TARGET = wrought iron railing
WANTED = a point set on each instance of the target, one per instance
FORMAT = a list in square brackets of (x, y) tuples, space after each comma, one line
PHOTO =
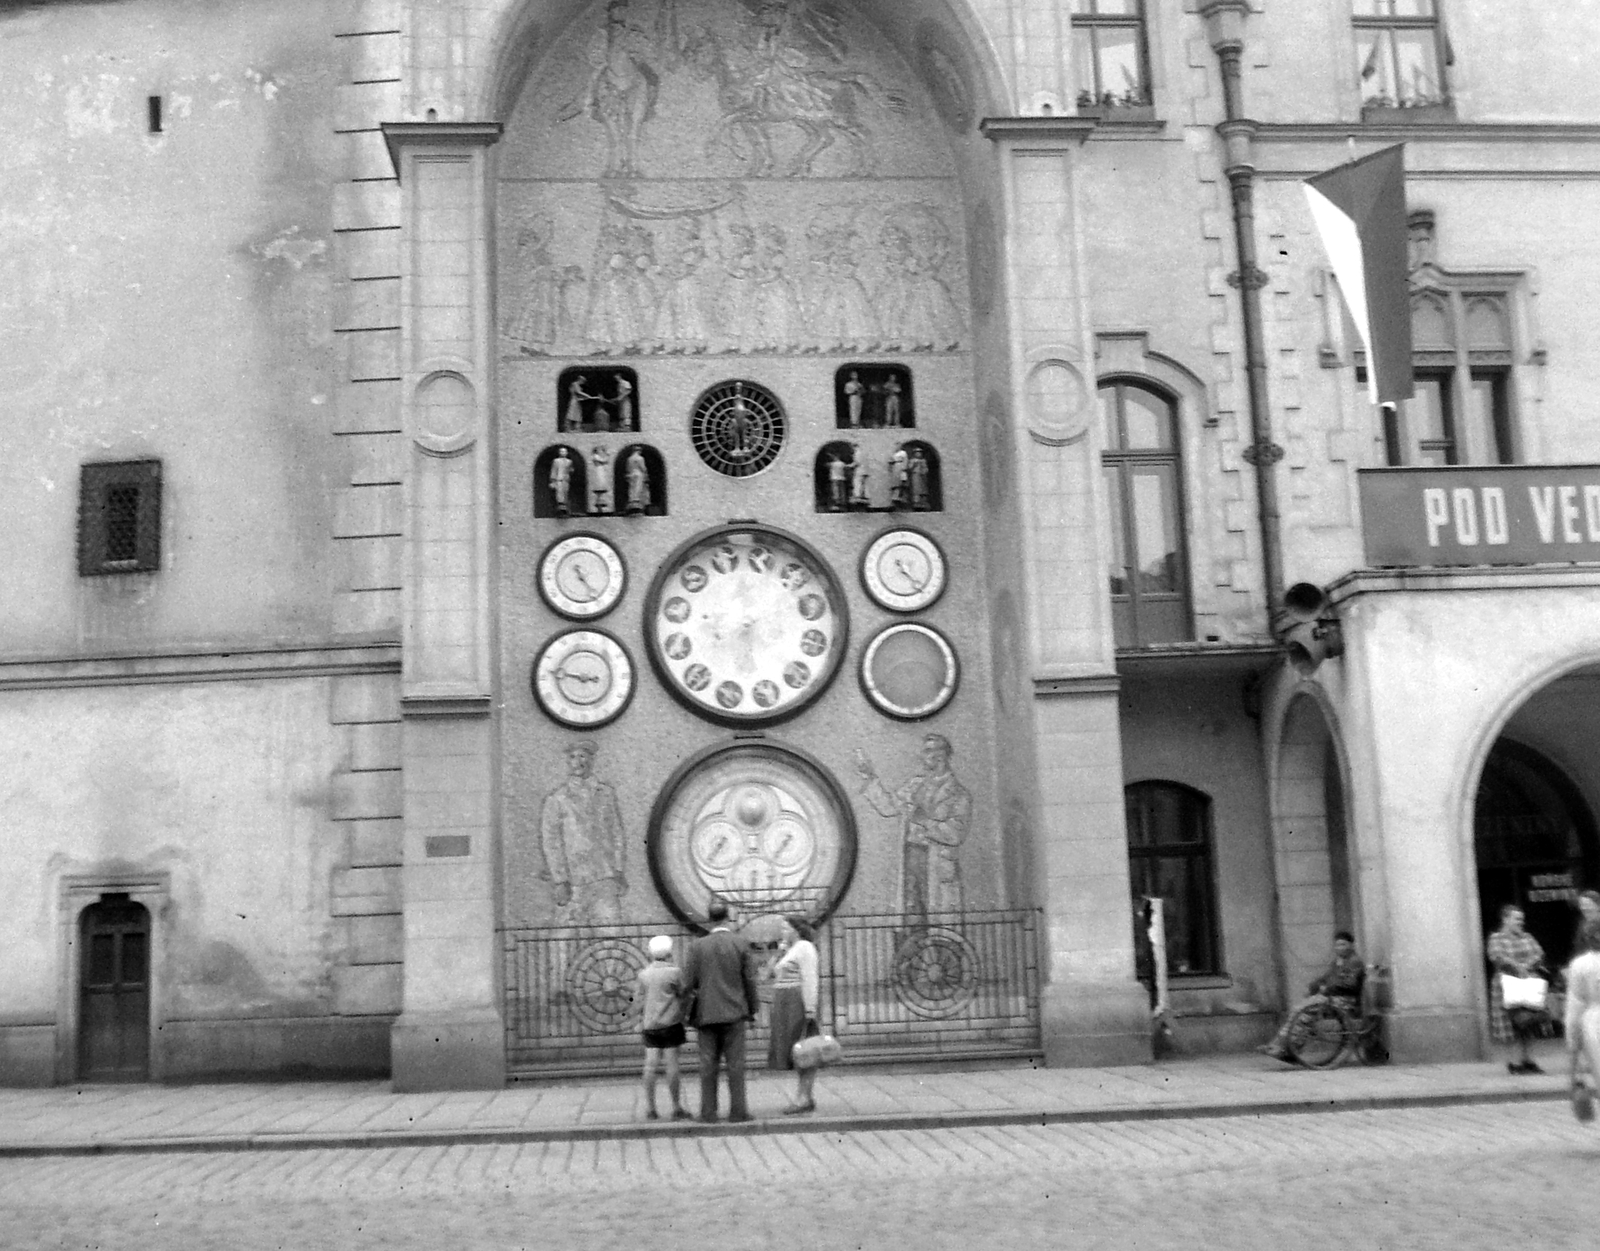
[(951, 984)]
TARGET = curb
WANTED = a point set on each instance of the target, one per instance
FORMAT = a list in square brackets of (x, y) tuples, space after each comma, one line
[(814, 1125)]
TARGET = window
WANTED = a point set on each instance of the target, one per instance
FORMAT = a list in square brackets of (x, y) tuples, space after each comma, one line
[(1110, 58), (1169, 858), (1400, 52), (1149, 581), (119, 518)]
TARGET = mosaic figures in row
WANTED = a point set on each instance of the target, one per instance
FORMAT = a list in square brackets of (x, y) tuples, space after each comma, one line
[(692, 281), (935, 814), (581, 843)]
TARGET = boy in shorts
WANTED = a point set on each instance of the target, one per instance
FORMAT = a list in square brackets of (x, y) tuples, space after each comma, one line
[(660, 989)]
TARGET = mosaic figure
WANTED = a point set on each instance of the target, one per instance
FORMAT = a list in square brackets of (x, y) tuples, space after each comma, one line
[(536, 319), (621, 92), (935, 814), (837, 303), (580, 833), (915, 306), (776, 320)]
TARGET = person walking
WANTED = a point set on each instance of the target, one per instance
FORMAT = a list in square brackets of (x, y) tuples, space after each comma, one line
[(719, 982), (659, 991), (1515, 952), (794, 1007), (1583, 1019)]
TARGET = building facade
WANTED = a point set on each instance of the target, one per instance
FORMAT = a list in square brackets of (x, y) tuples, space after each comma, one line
[(486, 474)]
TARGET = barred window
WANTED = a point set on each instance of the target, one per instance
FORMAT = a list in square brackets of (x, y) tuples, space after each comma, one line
[(119, 518)]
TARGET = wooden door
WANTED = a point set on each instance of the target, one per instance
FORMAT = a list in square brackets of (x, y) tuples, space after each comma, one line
[(114, 992)]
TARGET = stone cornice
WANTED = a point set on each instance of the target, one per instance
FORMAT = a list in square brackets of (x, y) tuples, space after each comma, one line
[(1060, 130), (200, 665), (400, 135), (1423, 132), (1463, 578)]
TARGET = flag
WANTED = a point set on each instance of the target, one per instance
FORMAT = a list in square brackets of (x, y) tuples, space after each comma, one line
[(1360, 212)]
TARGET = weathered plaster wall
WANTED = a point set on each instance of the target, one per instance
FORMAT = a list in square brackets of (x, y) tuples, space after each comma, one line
[(167, 295), (228, 788)]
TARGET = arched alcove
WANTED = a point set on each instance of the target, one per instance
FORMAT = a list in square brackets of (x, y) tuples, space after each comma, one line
[(1310, 840), (546, 482), (640, 487)]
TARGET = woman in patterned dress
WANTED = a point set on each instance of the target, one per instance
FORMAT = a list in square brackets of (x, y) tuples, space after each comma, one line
[(1511, 949)]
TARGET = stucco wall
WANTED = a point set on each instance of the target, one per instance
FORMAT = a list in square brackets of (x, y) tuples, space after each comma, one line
[(167, 295)]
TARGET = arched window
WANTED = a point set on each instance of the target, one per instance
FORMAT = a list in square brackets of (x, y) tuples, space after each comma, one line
[(1149, 576), (1169, 858)]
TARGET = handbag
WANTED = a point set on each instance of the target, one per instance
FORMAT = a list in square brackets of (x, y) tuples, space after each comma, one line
[(816, 1051), (1523, 992)]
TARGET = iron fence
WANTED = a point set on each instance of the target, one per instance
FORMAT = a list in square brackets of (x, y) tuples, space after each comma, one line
[(962, 984)]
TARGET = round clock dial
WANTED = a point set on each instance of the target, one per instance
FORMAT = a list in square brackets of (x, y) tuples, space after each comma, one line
[(909, 670), (582, 576), (746, 624), (583, 678), (767, 829), (903, 570)]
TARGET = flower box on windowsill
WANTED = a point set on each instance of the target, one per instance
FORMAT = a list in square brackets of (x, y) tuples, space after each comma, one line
[(1408, 114), (1118, 112)]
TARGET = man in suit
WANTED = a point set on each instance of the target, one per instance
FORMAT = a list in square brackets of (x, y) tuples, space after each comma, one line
[(719, 982)]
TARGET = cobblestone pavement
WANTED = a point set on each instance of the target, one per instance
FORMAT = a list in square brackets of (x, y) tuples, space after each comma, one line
[(1505, 1175)]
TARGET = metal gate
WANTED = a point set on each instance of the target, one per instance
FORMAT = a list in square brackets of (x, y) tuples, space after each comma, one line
[(956, 986)]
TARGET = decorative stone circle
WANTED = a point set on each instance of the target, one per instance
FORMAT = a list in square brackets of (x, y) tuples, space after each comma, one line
[(600, 984), (936, 973)]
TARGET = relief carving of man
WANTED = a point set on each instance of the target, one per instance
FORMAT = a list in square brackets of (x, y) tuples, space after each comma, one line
[(935, 814), (580, 832), (621, 93)]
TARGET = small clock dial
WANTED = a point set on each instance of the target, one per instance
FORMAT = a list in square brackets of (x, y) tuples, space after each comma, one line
[(746, 624), (903, 570), (583, 678), (582, 576), (909, 670), (763, 827)]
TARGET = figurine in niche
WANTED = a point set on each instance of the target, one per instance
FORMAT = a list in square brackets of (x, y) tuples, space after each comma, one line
[(838, 482), (576, 395), (859, 473), (636, 476), (600, 483), (920, 470), (891, 400), (853, 398), (561, 482), (899, 479), (622, 405)]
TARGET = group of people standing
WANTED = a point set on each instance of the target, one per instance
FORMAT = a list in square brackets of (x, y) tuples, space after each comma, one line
[(715, 994)]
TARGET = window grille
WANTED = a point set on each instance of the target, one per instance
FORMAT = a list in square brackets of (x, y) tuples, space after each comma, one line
[(119, 518)]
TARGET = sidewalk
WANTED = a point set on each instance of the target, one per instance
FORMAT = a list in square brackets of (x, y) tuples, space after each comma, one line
[(254, 1117)]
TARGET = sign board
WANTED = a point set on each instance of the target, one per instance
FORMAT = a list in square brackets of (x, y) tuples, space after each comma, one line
[(1487, 515)]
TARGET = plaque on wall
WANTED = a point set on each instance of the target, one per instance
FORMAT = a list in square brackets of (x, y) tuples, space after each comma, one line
[(582, 576), (909, 671), (583, 678), (746, 624), (903, 570), (765, 827)]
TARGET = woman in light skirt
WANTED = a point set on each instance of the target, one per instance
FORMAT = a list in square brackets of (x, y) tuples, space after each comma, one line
[(794, 1006)]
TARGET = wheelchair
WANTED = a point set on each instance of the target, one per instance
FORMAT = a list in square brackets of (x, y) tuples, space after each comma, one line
[(1335, 1031)]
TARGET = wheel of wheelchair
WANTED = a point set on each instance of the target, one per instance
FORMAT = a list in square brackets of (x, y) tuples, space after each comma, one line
[(1319, 1034)]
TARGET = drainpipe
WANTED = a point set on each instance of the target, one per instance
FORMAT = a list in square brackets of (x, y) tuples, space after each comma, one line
[(1225, 27)]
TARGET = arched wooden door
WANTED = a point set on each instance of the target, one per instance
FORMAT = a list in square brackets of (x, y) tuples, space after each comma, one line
[(114, 991)]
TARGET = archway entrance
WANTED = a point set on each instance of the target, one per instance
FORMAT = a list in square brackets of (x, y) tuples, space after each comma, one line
[(114, 991), (1535, 842)]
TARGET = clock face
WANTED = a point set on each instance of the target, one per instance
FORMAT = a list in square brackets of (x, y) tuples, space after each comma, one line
[(583, 678), (746, 624), (582, 576), (909, 670), (903, 570), (765, 828)]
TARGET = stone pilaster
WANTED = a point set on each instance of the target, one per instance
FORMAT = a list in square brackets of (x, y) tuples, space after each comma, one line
[(449, 1033), (1095, 1012)]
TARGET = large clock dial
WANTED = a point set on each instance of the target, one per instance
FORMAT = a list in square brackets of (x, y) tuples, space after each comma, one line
[(765, 828), (746, 624)]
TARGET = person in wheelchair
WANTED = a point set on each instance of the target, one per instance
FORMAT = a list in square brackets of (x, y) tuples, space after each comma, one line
[(1341, 984)]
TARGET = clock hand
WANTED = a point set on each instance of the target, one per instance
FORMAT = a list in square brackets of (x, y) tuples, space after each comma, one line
[(568, 674), (910, 577), (578, 573)]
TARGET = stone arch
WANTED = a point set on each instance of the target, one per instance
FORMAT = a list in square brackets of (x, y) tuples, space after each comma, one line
[(948, 37), (1317, 884)]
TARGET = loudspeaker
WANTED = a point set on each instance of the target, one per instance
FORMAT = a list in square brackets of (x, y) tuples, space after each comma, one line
[(1313, 634)]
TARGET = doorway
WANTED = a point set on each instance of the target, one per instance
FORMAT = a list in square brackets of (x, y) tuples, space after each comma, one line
[(1535, 844), (114, 991)]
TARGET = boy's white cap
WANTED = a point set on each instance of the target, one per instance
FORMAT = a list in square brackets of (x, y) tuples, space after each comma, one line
[(660, 947)]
